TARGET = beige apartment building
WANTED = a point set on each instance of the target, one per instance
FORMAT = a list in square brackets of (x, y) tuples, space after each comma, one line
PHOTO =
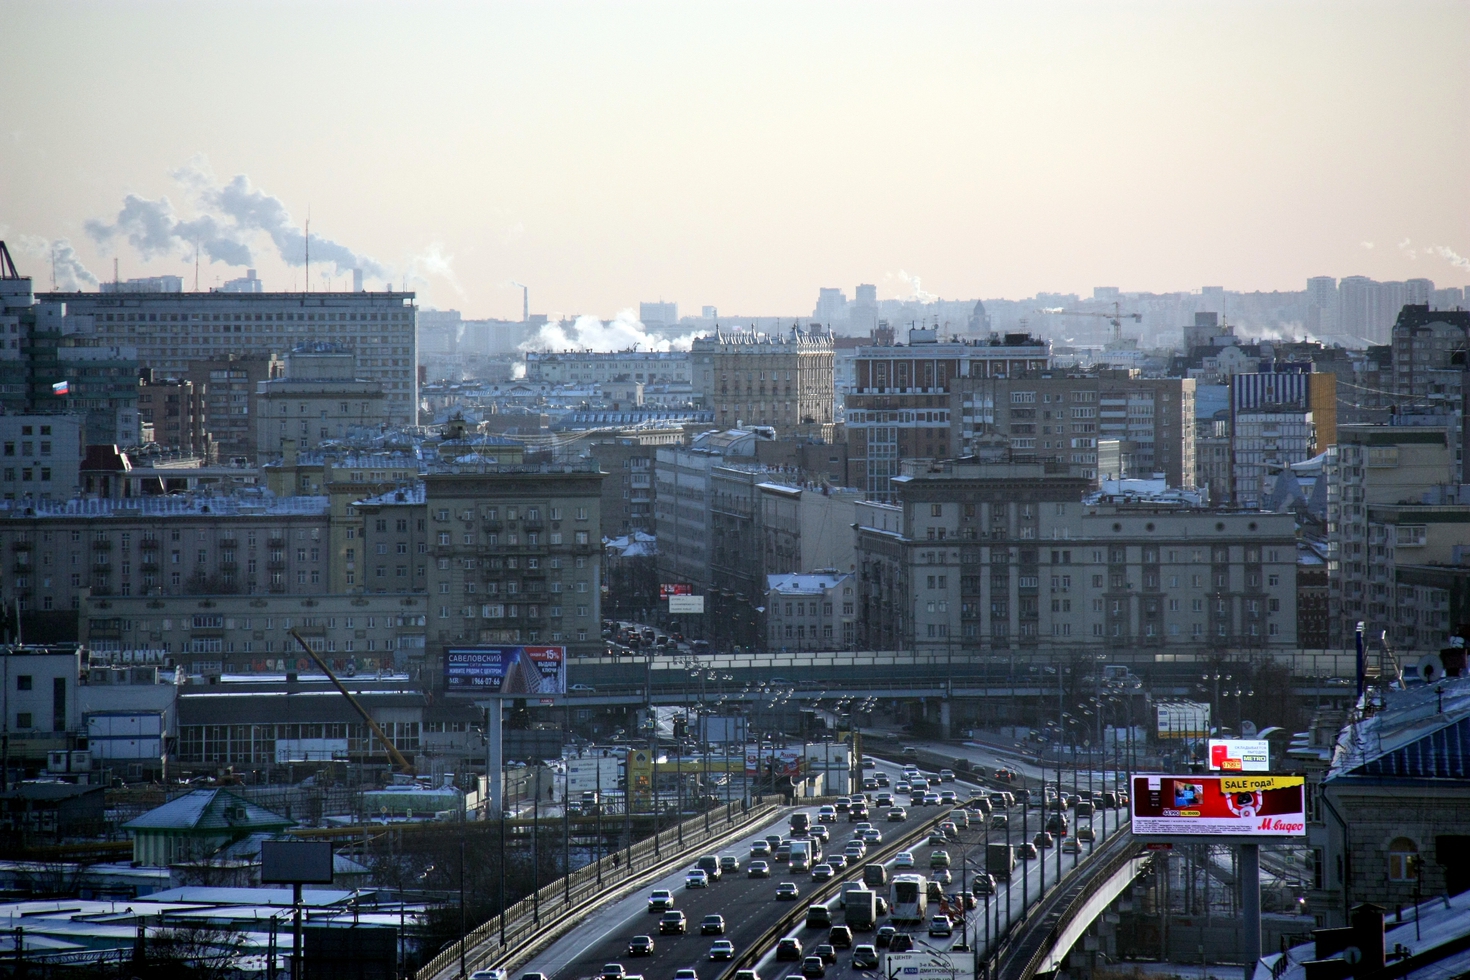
[(778, 380)]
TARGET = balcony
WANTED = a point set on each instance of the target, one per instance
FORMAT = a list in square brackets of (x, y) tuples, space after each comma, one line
[(148, 544), (228, 543), (101, 544), (21, 545), (276, 542)]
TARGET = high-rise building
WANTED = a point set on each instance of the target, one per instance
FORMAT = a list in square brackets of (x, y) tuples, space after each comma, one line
[(178, 412), (900, 405), (170, 330), (658, 314), (1321, 305), (779, 380), (1428, 354), (1277, 418), (831, 305), (1356, 303), (229, 384)]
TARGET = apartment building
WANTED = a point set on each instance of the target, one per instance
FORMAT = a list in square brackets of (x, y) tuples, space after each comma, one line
[(1429, 353), (320, 398), (42, 456), (628, 458), (981, 557), (586, 367), (815, 611), (779, 380), (1277, 417), (515, 554), (177, 412), (1414, 614), (900, 404), (229, 384), (38, 703), (1373, 464), (170, 330), (1059, 418)]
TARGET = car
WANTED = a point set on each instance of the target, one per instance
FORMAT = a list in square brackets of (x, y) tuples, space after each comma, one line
[(818, 916), (534, 976), (827, 952), (712, 925), (982, 884), (1027, 851), (981, 805), (883, 779), (820, 833), (1087, 834), (936, 840), (872, 836), (582, 689), (870, 782), (883, 937), (921, 784), (673, 922), (857, 832), (827, 814), (882, 905), (822, 872), (946, 775), (950, 829), (686, 973), (858, 811), (903, 787), (495, 973), (883, 799), (838, 861), (760, 849), (998, 821), (783, 853), (640, 946), (787, 892), (774, 840), (757, 869), (903, 859), (747, 975), (1044, 840), (788, 949), (855, 850), (897, 815), (931, 799), (939, 859), (696, 879), (612, 971), (1071, 846), (813, 967), (660, 900), (901, 942), (729, 863), (941, 875), (843, 802), (949, 797), (840, 936), (939, 925), (710, 865), (722, 949)]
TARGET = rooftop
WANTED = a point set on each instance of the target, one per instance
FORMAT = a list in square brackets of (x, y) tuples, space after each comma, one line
[(1419, 732)]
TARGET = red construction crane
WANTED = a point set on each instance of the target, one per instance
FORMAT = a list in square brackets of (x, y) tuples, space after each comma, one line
[(1115, 318)]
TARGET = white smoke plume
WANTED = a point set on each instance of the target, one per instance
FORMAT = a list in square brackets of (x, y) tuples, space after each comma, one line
[(916, 292), (1451, 256), (433, 261), (230, 218), (622, 332), (59, 255)]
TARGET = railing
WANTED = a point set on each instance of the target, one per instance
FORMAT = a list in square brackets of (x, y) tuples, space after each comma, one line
[(544, 914)]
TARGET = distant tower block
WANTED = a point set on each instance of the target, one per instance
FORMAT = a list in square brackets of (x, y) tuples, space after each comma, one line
[(357, 280)]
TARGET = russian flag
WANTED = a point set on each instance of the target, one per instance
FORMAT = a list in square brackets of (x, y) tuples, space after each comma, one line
[(61, 388)]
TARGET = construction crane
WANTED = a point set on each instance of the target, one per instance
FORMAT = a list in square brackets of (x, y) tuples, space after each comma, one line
[(397, 757), (1115, 318)]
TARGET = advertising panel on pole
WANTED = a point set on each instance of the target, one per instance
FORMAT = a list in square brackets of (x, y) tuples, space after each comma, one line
[(1183, 719), (515, 671), (667, 589), (1231, 806), (1240, 755), (592, 774), (686, 604), (780, 762), (929, 965)]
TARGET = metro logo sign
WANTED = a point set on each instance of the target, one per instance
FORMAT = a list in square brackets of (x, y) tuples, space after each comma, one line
[(1239, 755)]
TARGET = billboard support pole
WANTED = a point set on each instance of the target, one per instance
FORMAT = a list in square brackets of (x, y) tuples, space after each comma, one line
[(494, 761), (1250, 905)]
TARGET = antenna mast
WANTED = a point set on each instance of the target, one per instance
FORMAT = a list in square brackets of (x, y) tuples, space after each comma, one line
[(196, 265), (308, 250)]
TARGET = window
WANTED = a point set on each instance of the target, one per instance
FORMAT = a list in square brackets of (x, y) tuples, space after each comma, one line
[(23, 682), (22, 719), (1403, 860)]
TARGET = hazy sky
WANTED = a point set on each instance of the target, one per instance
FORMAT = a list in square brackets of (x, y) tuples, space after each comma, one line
[(741, 155)]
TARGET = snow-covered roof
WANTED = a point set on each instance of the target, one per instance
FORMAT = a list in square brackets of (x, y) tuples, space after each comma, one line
[(1421, 732), (813, 583)]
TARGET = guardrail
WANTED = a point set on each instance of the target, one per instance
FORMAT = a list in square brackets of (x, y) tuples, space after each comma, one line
[(1025, 947), (538, 917)]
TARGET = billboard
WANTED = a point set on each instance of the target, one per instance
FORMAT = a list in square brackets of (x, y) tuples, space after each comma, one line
[(511, 670), (1240, 755), (592, 774), (1244, 806), (1183, 719), (686, 604), (666, 589), (761, 760), (929, 965)]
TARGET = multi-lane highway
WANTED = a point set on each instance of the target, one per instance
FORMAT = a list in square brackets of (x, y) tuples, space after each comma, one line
[(750, 906)]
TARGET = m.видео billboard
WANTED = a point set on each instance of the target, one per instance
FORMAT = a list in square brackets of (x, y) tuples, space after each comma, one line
[(516, 671), (1244, 805)]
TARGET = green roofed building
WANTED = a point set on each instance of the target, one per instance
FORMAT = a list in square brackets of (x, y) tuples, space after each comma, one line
[(198, 824)]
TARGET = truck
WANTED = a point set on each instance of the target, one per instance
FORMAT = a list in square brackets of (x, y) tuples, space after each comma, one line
[(861, 909), (801, 856), (801, 823), (875, 875), (1000, 860)]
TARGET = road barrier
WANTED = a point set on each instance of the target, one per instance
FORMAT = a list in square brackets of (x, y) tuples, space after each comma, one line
[(562, 902)]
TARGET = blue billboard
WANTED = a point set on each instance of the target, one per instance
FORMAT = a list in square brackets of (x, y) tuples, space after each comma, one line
[(517, 671)]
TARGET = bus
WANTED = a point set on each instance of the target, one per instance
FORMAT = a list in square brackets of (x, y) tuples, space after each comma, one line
[(910, 898)]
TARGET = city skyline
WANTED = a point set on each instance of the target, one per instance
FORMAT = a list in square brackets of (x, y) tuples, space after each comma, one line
[(742, 157)]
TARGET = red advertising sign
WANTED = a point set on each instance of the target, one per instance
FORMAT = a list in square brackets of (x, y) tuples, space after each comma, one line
[(667, 589), (1243, 805)]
